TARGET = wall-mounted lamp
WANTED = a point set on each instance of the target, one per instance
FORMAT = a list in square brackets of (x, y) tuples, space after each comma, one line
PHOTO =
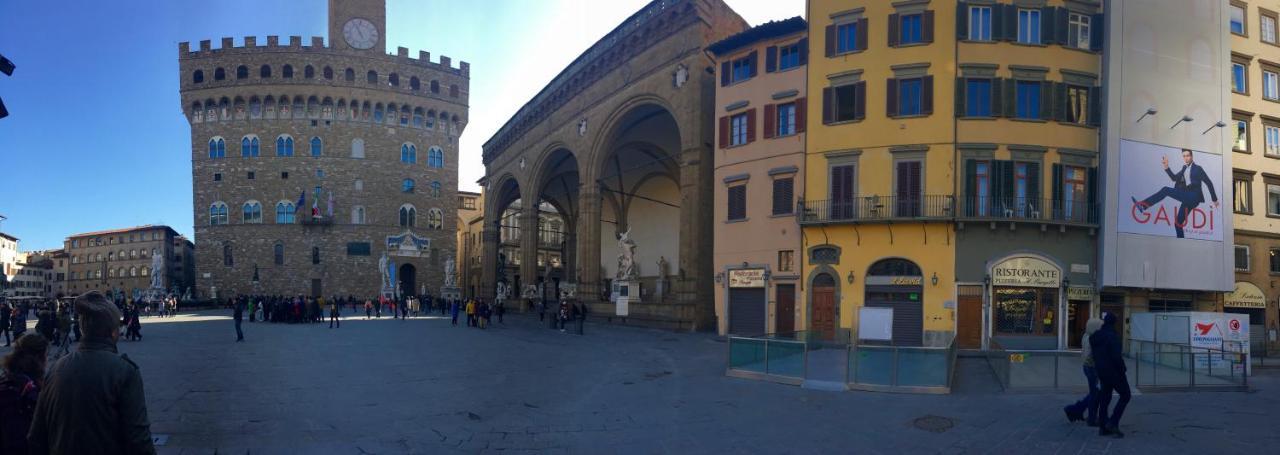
[(1185, 118), (719, 277), (1220, 124), (1150, 111), (986, 280), (850, 277), (934, 280)]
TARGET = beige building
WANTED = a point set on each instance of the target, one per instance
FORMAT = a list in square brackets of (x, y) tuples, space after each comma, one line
[(310, 162), (8, 254), (470, 213), (1255, 71), (121, 260), (759, 161)]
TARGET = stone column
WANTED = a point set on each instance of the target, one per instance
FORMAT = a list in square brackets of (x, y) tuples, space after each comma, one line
[(693, 283), (528, 246), (489, 257), (587, 244)]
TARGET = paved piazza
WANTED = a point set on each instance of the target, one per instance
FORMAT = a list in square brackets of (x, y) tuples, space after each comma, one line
[(422, 386)]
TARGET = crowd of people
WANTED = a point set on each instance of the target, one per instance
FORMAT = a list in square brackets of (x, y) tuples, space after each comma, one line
[(88, 401)]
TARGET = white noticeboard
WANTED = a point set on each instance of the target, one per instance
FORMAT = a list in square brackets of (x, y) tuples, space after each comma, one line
[(875, 324)]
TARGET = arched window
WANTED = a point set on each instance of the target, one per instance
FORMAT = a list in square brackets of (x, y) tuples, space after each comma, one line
[(285, 212), (315, 255), (435, 87), (408, 153), (393, 79), (357, 215), (377, 113), (249, 146), (255, 107), (357, 148), (217, 214), (198, 76), (435, 219), (278, 253), (435, 157), (349, 75), (317, 147), (453, 91), (111, 273), (372, 77), (417, 118), (408, 216), (328, 73), (359, 185), (309, 72), (219, 74), (284, 145), (242, 72), (287, 71), (133, 254), (406, 186), (111, 255), (894, 267), (227, 259), (264, 72), (133, 271), (435, 189), (217, 148), (404, 115), (414, 83), (251, 213), (144, 271)]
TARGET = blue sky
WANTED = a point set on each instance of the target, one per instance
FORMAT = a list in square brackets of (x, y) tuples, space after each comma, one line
[(95, 138)]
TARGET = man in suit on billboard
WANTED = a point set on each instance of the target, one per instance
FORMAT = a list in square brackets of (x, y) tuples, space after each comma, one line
[(1188, 189)]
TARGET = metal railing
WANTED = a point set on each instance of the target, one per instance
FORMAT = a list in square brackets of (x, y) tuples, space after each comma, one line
[(877, 208), (1027, 209), (1179, 366), (808, 357)]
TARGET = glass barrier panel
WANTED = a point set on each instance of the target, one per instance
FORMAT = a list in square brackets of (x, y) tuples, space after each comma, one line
[(786, 358), (872, 365), (1071, 371), (746, 354), (922, 367), (1031, 369)]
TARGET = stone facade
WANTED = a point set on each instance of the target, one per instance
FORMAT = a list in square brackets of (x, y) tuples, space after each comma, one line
[(120, 260), (639, 103), (379, 119)]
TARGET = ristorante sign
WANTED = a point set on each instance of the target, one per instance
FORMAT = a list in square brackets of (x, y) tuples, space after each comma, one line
[(1026, 272)]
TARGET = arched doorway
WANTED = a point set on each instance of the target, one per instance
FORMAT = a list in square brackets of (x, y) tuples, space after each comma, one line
[(822, 306), (408, 279), (898, 284)]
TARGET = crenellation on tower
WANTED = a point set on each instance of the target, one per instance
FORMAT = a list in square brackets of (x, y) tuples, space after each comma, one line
[(273, 41), (250, 41), (295, 41)]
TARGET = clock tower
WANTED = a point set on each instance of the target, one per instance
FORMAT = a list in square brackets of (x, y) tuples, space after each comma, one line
[(359, 25)]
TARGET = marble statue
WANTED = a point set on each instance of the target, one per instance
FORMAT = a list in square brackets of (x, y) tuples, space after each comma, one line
[(663, 267), (626, 256), (157, 271), (680, 76), (382, 268), (450, 275), (501, 294)]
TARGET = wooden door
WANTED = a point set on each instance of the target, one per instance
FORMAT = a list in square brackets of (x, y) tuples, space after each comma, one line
[(316, 288), (823, 311), (785, 313), (969, 322)]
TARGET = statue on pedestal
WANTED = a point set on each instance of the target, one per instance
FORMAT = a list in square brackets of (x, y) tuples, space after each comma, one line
[(626, 256), (382, 268), (450, 275)]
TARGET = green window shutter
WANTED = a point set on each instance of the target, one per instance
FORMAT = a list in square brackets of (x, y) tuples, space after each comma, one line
[(1047, 35), (1010, 98), (1033, 185), (1095, 106), (962, 20), (960, 94), (1060, 111), (1046, 100), (1061, 23), (970, 186), (1057, 191), (997, 97)]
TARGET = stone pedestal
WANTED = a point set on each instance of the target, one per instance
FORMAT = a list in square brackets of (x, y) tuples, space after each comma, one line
[(624, 293), (450, 293)]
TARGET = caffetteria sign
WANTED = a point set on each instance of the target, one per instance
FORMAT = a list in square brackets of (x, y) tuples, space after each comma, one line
[(1026, 272)]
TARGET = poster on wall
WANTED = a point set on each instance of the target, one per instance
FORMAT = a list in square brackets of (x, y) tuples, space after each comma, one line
[(1170, 192)]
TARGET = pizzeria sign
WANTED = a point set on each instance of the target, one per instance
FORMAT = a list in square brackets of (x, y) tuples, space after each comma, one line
[(746, 278), (1027, 272)]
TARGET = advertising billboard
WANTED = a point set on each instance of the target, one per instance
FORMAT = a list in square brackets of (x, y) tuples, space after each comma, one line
[(1171, 192), (1166, 222)]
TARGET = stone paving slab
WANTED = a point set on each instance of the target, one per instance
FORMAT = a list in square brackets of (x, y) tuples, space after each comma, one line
[(422, 386)]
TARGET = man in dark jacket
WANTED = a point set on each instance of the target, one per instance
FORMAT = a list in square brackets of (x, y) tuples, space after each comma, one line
[(238, 314), (4, 322), (93, 399), (1108, 360)]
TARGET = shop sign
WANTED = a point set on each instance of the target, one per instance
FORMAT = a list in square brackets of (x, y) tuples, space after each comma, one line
[(746, 278), (896, 280), (1079, 293), (1245, 295), (1017, 358), (1026, 272)]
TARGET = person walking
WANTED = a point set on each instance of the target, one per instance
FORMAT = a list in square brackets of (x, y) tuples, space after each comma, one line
[(20, 391), (453, 309), (1076, 411), (5, 317), (238, 315), (581, 309), (1109, 363), (501, 309), (471, 313), (93, 399), (333, 315), (563, 315)]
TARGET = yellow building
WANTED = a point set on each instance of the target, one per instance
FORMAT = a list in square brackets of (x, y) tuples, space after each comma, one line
[(1255, 62), (955, 157)]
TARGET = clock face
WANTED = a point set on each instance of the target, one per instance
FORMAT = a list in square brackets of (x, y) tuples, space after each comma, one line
[(360, 33)]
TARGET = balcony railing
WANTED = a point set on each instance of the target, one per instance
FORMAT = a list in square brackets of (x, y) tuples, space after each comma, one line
[(1026, 209), (882, 209), (877, 209)]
